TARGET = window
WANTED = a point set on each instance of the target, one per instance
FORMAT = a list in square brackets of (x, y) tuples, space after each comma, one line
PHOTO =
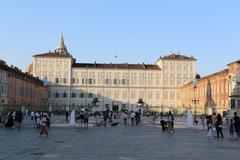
[(82, 80), (172, 95), (124, 94), (65, 95), (73, 80), (116, 94), (165, 79), (133, 94), (123, 82), (56, 80), (90, 81), (149, 94), (179, 79), (81, 95), (73, 95), (64, 80), (56, 94), (90, 95), (107, 81), (115, 81), (133, 78), (172, 80), (141, 94), (165, 95)]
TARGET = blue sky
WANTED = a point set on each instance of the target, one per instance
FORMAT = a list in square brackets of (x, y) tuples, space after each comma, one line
[(138, 30)]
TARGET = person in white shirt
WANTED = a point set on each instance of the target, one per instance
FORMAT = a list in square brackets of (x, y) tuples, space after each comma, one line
[(132, 115), (32, 115)]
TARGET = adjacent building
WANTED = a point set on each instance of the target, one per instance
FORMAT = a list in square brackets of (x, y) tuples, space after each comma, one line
[(217, 92), (110, 85), (20, 90)]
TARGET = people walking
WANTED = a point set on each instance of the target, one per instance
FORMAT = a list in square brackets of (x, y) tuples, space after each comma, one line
[(231, 128), (170, 122), (81, 119), (37, 120), (19, 118), (105, 117), (9, 123), (32, 115), (132, 116), (66, 116), (137, 117), (44, 128), (236, 119), (125, 117), (209, 126), (219, 126), (86, 116)]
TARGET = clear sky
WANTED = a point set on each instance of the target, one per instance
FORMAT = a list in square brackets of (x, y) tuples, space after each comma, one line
[(138, 30)]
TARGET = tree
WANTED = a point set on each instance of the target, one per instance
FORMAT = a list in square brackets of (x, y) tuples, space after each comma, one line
[(197, 76)]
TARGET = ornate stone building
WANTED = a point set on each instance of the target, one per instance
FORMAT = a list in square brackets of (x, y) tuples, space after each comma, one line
[(113, 86)]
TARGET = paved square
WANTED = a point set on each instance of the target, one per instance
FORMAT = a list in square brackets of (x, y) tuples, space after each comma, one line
[(144, 142)]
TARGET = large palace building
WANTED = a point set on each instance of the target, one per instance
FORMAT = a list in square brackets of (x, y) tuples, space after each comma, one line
[(113, 86)]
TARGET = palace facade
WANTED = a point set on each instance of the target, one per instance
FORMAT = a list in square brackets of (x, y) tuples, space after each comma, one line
[(113, 86)]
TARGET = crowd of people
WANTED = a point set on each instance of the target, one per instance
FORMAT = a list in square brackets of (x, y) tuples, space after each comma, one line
[(104, 118), (11, 119), (41, 120), (216, 124)]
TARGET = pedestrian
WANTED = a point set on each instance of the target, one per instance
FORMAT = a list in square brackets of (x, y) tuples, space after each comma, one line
[(132, 116), (154, 117), (86, 116), (66, 116), (203, 122), (9, 123), (44, 128), (209, 126), (0, 117), (231, 128), (81, 119), (125, 117), (19, 118), (37, 120), (170, 122), (32, 115), (219, 126), (236, 124)]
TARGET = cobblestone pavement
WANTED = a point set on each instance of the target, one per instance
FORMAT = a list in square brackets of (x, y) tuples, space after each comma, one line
[(144, 142)]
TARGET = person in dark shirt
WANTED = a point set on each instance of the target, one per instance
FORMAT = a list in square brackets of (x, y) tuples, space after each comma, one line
[(236, 124), (66, 116)]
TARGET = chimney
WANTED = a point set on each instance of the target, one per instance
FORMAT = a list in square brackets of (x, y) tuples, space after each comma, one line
[(95, 64)]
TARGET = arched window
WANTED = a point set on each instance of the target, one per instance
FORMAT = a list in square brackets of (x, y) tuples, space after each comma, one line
[(81, 95), (57, 95), (65, 95), (90, 95), (73, 95)]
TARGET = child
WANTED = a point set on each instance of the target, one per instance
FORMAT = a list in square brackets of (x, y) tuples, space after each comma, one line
[(231, 128)]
